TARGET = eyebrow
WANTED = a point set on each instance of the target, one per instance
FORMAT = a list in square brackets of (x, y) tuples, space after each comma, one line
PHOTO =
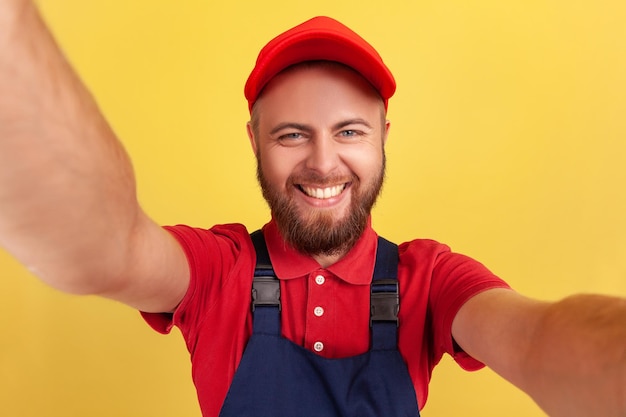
[(290, 125), (357, 121), (307, 128)]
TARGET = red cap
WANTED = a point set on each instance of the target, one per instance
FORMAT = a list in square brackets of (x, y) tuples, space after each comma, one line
[(320, 38)]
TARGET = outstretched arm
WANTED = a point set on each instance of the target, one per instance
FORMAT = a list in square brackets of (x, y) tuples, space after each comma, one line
[(569, 356), (68, 207)]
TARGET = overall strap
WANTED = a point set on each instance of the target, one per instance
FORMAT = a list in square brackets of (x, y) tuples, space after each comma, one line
[(385, 297), (265, 290)]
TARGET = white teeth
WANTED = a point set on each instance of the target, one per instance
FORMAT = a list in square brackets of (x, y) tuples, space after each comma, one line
[(323, 193)]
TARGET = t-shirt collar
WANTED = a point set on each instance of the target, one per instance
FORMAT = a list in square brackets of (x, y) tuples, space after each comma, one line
[(356, 267)]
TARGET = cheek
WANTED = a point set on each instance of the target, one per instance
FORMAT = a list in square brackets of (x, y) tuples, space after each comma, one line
[(365, 165), (277, 168)]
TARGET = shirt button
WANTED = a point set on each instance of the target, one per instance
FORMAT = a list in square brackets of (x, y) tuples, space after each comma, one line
[(319, 280), (318, 311), (318, 346)]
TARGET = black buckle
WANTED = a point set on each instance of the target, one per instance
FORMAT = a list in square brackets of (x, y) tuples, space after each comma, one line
[(385, 301), (265, 292)]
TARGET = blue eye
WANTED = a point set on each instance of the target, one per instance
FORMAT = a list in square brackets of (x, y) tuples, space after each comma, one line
[(291, 136), (348, 133)]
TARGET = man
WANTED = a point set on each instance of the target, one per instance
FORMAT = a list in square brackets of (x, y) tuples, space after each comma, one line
[(318, 97)]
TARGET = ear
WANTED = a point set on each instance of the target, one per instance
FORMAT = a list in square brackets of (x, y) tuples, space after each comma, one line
[(386, 132), (251, 137)]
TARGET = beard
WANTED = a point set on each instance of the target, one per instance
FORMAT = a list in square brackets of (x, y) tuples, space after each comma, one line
[(319, 232)]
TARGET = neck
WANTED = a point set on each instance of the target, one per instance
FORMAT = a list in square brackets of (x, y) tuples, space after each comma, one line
[(326, 260)]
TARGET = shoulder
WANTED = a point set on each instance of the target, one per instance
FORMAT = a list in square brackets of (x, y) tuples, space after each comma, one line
[(233, 234), (423, 247), (440, 260), (216, 251), (420, 253)]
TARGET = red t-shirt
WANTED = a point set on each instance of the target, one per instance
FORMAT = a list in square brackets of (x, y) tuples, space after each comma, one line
[(324, 310)]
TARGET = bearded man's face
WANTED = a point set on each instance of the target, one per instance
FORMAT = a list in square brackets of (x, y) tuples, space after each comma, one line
[(318, 134)]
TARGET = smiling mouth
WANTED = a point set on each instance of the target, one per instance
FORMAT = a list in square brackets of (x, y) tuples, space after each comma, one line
[(323, 193)]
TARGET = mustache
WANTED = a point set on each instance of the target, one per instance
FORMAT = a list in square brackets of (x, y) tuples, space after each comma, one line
[(312, 177)]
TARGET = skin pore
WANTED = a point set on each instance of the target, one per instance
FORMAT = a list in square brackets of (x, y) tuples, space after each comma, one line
[(318, 132)]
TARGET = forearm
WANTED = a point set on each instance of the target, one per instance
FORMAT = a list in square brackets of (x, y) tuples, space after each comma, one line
[(576, 365), (66, 184)]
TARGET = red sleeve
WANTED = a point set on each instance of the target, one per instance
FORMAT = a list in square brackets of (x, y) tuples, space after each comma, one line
[(212, 255), (456, 278)]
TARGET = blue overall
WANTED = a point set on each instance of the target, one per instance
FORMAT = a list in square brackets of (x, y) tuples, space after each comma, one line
[(278, 378)]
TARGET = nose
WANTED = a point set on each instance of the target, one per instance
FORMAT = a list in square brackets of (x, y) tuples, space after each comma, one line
[(323, 155)]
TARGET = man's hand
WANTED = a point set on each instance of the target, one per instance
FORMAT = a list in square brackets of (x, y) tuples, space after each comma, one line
[(569, 356), (68, 207)]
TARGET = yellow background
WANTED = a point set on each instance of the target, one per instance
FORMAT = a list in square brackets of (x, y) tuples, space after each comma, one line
[(508, 142)]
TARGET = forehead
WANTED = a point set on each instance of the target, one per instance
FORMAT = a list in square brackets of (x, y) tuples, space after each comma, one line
[(318, 89)]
